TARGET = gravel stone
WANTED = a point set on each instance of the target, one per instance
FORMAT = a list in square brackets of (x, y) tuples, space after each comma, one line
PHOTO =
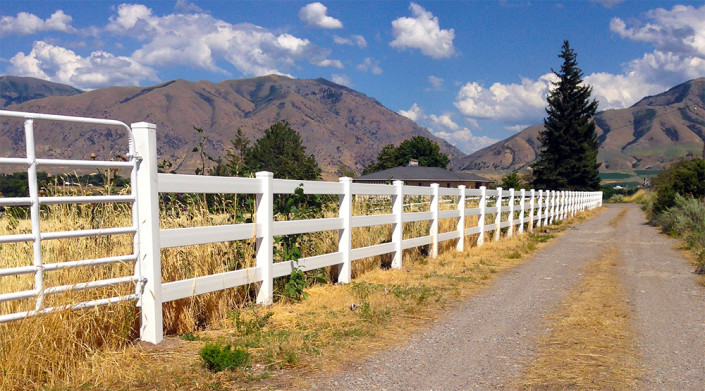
[(483, 342)]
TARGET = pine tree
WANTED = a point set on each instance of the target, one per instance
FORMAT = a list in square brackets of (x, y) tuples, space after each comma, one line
[(282, 152), (568, 159)]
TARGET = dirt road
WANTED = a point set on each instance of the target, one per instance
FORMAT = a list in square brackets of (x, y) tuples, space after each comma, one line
[(484, 342)]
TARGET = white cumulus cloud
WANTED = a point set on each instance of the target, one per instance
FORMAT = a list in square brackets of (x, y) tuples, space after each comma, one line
[(607, 3), (314, 15), (354, 40), (444, 127), (100, 69), (414, 113), (436, 83), (371, 65), (509, 103), (199, 40), (25, 23), (423, 32), (342, 79), (680, 30)]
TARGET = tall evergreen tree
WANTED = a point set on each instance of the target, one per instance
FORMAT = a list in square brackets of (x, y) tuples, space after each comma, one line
[(281, 152), (568, 159)]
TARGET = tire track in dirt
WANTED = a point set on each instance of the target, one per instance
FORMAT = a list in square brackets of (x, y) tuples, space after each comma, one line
[(668, 303), (482, 344)]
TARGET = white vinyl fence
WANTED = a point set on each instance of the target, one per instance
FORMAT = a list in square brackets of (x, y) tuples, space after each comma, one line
[(520, 209)]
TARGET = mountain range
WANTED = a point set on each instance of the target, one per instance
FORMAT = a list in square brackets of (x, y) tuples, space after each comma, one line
[(15, 89), (647, 136), (342, 128)]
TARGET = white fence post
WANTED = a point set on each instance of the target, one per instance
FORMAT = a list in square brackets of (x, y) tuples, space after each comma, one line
[(481, 217), (573, 203), (510, 232), (532, 205), (598, 196), (498, 215), (435, 205), (564, 204), (398, 231), (550, 202), (265, 241), (461, 220), (33, 188), (344, 235), (149, 257), (540, 206), (522, 194)]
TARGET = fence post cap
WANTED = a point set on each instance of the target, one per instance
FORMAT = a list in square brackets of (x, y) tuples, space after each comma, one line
[(345, 179), (148, 125), (264, 174)]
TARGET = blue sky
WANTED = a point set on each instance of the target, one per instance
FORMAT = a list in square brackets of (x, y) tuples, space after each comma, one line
[(473, 72)]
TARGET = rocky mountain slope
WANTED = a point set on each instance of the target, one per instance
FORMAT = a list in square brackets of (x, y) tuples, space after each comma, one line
[(340, 126), (650, 134), (15, 89)]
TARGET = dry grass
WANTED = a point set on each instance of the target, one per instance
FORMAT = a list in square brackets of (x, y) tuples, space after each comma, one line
[(617, 218), (591, 345), (637, 198), (94, 348), (321, 334)]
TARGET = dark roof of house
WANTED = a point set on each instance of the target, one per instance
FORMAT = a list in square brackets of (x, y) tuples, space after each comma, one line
[(418, 173)]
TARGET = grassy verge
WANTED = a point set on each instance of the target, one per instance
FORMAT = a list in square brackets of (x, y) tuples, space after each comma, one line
[(686, 221), (336, 324), (591, 345)]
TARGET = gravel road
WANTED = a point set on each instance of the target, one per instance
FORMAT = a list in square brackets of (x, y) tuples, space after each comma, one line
[(481, 344), (669, 306)]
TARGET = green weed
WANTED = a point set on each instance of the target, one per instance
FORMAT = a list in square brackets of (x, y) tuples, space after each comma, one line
[(218, 358)]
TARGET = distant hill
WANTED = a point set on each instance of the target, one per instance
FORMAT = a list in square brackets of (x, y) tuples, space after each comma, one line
[(15, 89), (340, 126), (650, 134)]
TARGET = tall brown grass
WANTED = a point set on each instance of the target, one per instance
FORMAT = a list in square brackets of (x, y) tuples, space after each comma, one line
[(45, 351)]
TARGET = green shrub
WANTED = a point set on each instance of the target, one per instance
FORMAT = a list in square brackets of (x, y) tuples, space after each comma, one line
[(686, 177), (686, 219), (218, 358)]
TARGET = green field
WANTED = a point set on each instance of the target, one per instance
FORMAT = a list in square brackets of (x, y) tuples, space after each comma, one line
[(626, 178)]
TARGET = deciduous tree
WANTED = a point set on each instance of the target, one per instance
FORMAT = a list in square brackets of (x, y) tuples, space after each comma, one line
[(426, 151)]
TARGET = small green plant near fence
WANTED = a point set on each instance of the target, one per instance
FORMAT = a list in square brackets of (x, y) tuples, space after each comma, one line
[(218, 358), (294, 288)]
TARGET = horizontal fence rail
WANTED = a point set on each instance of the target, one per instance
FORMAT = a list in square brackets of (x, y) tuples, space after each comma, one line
[(513, 211), (38, 236)]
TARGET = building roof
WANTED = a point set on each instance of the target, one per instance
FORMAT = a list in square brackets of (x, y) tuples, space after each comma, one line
[(418, 173)]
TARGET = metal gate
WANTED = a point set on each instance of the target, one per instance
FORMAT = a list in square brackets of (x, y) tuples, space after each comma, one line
[(34, 201)]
